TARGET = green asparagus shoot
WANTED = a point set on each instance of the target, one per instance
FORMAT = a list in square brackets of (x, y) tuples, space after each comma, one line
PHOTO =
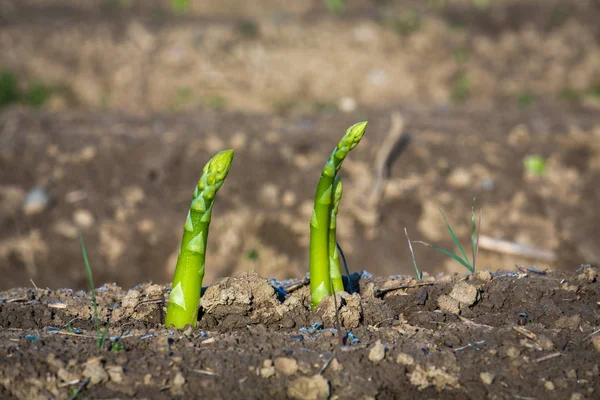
[(334, 258), (464, 260), (320, 271), (187, 281)]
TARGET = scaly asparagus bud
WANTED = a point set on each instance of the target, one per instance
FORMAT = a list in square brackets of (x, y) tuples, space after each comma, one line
[(187, 281), (334, 257), (320, 282)]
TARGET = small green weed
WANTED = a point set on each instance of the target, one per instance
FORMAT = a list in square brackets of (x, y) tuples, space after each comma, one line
[(461, 55), (180, 6), (461, 89), (100, 335), (248, 29), (253, 255), (9, 89), (335, 6), (524, 100), (481, 4), (216, 102), (116, 347), (534, 164), (408, 22), (436, 4), (36, 95), (464, 260)]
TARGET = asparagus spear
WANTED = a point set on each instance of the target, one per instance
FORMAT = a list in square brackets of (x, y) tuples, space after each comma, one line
[(320, 282), (334, 257), (187, 281)]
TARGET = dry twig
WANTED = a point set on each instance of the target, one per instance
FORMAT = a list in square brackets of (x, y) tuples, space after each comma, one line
[(516, 249)]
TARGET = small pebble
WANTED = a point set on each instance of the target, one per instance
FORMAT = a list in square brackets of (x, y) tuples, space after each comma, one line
[(36, 201), (596, 342), (545, 343), (83, 218), (267, 370), (179, 379), (513, 352), (487, 378), (485, 276), (549, 385)]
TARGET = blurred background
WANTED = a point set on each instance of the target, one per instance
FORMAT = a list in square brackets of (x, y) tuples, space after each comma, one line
[(110, 108)]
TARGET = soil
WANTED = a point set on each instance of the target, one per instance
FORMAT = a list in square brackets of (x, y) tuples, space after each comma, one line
[(489, 335), (140, 95)]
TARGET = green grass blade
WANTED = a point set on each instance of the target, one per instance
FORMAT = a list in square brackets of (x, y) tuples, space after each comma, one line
[(457, 258), (474, 234), (94, 304), (454, 236), (412, 253)]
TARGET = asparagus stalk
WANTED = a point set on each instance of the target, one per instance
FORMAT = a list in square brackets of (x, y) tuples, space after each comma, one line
[(320, 281), (334, 258), (187, 281)]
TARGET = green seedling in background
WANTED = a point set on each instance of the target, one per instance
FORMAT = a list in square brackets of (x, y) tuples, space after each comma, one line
[(36, 95), (335, 6), (99, 335), (406, 23), (461, 89), (535, 164), (187, 281), (481, 4), (9, 89), (180, 6), (524, 100), (464, 260), (320, 224)]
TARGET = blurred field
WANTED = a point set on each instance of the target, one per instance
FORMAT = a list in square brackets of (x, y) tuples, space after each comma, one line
[(111, 108)]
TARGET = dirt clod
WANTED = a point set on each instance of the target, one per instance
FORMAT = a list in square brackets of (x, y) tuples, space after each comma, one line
[(484, 275), (465, 293), (115, 372), (286, 366), (309, 388), (568, 322), (349, 310), (448, 304), (377, 352), (405, 359), (423, 377), (94, 370)]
